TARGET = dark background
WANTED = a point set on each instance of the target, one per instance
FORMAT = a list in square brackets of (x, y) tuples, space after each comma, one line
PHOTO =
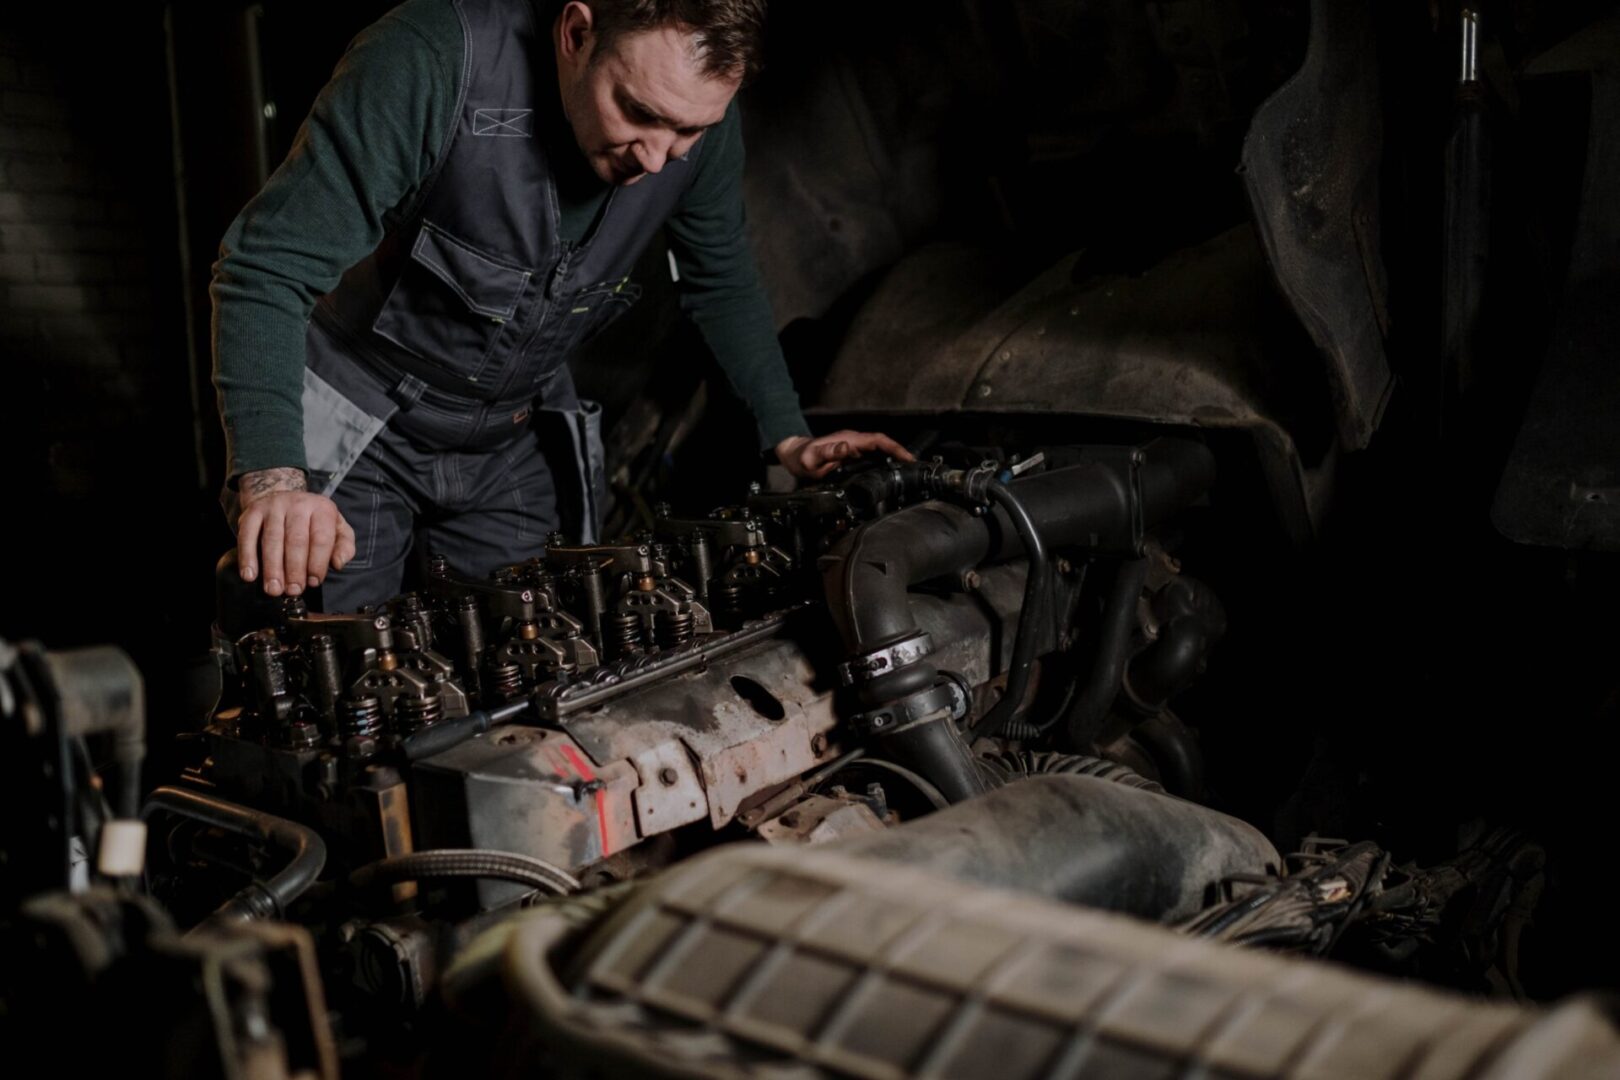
[(1413, 673)]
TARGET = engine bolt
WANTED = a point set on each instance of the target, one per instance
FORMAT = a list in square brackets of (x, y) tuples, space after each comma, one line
[(667, 776), (818, 745)]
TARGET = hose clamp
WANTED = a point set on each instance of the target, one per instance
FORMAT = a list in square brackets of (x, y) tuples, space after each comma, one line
[(945, 700), (882, 661)]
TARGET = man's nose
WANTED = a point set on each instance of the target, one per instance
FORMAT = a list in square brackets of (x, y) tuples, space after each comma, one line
[(651, 153)]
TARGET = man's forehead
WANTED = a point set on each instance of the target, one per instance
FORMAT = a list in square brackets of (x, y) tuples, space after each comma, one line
[(661, 70)]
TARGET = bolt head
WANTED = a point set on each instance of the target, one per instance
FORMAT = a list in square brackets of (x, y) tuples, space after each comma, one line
[(667, 776), (818, 745)]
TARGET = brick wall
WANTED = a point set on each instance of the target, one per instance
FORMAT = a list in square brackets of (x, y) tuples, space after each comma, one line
[(89, 290), (101, 500)]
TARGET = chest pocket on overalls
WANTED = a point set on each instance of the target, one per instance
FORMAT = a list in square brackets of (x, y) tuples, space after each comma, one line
[(589, 311), (452, 303)]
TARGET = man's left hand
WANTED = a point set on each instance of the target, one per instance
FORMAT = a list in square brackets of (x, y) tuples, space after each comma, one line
[(812, 458)]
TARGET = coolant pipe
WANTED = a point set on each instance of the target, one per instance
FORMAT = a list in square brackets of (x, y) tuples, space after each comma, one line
[(305, 850), (1036, 585), (1084, 718), (1102, 506)]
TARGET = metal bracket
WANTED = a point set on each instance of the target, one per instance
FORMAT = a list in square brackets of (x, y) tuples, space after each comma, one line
[(882, 661)]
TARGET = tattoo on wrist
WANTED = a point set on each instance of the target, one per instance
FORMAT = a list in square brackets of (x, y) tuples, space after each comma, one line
[(265, 481)]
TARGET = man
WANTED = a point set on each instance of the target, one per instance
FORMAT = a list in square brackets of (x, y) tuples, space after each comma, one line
[(393, 312)]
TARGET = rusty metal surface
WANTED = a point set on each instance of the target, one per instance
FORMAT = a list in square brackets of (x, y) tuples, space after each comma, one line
[(1311, 164), (529, 791), (820, 819), (696, 745), (702, 716), (1180, 345)]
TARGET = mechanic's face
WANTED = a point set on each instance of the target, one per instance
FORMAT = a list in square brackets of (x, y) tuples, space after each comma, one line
[(643, 101)]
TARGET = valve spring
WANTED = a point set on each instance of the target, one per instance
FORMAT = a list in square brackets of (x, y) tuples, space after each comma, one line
[(505, 681), (412, 714), (624, 633), (731, 598), (362, 716), (673, 628)]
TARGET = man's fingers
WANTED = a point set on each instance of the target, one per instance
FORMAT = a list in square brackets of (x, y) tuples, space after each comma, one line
[(882, 442), (295, 550), (247, 542), (322, 539), (344, 550), (270, 548)]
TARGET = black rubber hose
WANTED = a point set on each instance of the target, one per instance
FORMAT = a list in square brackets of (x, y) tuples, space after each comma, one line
[(467, 863), (1085, 715), (305, 850), (1191, 620), (938, 752), (1036, 587)]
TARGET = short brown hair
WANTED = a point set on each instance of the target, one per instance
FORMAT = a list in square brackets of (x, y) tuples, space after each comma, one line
[(728, 34)]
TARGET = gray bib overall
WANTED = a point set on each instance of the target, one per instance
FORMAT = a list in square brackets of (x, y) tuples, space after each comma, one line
[(459, 326)]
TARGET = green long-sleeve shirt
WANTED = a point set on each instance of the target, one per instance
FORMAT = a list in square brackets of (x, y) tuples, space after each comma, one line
[(375, 133)]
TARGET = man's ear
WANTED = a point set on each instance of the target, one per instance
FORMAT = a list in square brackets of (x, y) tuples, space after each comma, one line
[(574, 28)]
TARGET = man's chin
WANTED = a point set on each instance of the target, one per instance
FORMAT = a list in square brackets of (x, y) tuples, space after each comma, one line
[(609, 173)]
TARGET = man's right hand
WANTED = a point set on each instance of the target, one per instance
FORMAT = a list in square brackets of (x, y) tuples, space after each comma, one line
[(288, 535)]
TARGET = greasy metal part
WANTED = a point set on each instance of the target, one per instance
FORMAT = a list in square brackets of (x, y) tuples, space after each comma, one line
[(103, 983), (815, 962), (1311, 164), (99, 691), (1176, 346), (821, 819), (302, 847), (328, 679), (557, 701), (528, 791), (701, 745)]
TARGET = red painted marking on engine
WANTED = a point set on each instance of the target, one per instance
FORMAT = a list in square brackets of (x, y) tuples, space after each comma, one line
[(588, 776)]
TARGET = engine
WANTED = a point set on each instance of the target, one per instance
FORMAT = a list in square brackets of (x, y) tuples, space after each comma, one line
[(767, 668), (938, 675)]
